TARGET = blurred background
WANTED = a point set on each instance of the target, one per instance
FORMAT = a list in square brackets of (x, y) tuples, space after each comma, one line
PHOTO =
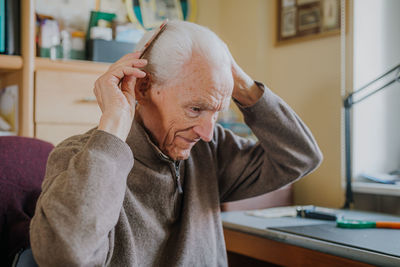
[(312, 53)]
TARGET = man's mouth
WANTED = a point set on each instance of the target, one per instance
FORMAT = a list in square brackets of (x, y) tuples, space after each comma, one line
[(190, 141)]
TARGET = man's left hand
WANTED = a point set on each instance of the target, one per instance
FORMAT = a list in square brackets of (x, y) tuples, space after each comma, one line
[(245, 90)]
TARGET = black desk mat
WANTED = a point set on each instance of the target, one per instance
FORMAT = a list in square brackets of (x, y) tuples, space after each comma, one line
[(385, 241)]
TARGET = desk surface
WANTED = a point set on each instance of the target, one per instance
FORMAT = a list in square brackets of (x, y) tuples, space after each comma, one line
[(373, 246)]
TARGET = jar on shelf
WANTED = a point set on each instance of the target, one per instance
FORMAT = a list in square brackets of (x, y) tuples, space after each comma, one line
[(66, 44), (78, 45)]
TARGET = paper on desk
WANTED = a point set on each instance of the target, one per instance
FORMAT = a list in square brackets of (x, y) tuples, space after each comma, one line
[(290, 211), (274, 212)]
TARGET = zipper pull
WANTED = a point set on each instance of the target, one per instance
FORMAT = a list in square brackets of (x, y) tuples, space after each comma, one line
[(178, 182), (178, 178)]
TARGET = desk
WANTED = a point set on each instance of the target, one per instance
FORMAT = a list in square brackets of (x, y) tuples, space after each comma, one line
[(291, 241)]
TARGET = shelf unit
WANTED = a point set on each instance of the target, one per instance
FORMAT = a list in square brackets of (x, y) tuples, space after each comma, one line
[(10, 70), (70, 65), (10, 63), (21, 70)]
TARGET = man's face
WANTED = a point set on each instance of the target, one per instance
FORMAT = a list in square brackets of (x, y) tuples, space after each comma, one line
[(184, 111)]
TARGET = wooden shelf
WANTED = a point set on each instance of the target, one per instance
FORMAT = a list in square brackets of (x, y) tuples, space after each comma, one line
[(10, 63), (70, 65)]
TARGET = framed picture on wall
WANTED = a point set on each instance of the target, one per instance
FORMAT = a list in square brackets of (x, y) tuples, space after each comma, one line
[(288, 22), (309, 19), (300, 20), (331, 14)]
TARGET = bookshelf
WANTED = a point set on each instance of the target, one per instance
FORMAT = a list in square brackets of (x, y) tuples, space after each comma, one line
[(22, 70)]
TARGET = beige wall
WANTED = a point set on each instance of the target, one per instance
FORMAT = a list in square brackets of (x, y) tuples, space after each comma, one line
[(305, 74)]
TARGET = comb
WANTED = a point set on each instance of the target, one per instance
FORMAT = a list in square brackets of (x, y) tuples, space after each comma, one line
[(157, 33)]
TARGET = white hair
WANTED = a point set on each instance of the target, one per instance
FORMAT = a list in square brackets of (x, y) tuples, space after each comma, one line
[(175, 46)]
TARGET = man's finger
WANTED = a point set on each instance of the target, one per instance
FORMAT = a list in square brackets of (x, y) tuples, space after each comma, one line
[(128, 71), (130, 98), (125, 58), (140, 63), (130, 56), (128, 84), (98, 98)]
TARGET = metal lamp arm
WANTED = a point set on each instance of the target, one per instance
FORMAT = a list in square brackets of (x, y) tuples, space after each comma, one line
[(348, 103)]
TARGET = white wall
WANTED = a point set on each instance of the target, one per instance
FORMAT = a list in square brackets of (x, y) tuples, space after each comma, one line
[(305, 74), (376, 128)]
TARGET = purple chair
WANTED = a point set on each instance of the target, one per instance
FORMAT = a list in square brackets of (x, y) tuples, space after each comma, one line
[(22, 168)]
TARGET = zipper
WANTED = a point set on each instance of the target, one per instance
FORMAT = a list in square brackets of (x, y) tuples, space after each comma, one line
[(178, 177), (176, 171)]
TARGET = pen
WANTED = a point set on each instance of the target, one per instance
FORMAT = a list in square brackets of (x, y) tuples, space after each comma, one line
[(360, 224), (313, 214)]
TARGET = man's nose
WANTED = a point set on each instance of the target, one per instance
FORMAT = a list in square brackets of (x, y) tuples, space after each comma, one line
[(205, 128)]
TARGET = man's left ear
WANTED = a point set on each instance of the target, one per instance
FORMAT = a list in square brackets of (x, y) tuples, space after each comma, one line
[(142, 88)]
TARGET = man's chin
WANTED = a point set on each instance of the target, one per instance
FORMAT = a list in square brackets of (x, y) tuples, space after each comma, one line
[(180, 154)]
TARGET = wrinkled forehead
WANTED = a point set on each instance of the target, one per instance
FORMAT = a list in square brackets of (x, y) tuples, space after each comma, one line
[(205, 82)]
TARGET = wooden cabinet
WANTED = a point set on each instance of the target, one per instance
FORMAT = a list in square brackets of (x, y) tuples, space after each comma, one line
[(64, 104), (55, 133), (64, 101), (65, 97)]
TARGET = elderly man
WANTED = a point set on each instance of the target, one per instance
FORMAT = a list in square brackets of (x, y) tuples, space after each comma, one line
[(144, 188)]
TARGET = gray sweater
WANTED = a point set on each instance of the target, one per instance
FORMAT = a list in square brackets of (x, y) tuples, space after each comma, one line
[(107, 202)]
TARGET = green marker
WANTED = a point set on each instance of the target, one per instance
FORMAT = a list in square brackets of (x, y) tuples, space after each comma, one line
[(359, 224)]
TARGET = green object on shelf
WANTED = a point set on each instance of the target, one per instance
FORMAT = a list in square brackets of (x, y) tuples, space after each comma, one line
[(138, 14), (184, 6), (95, 16), (45, 52), (75, 54), (355, 224), (78, 54)]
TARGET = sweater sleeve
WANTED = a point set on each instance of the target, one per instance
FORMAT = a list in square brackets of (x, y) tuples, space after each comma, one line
[(286, 150), (82, 197)]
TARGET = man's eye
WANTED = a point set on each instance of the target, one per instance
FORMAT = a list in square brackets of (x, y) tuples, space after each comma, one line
[(193, 112), (195, 109)]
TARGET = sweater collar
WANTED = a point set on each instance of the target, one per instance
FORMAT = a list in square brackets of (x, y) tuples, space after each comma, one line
[(143, 147)]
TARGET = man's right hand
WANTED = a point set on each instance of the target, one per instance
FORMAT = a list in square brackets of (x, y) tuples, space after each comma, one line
[(115, 94)]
